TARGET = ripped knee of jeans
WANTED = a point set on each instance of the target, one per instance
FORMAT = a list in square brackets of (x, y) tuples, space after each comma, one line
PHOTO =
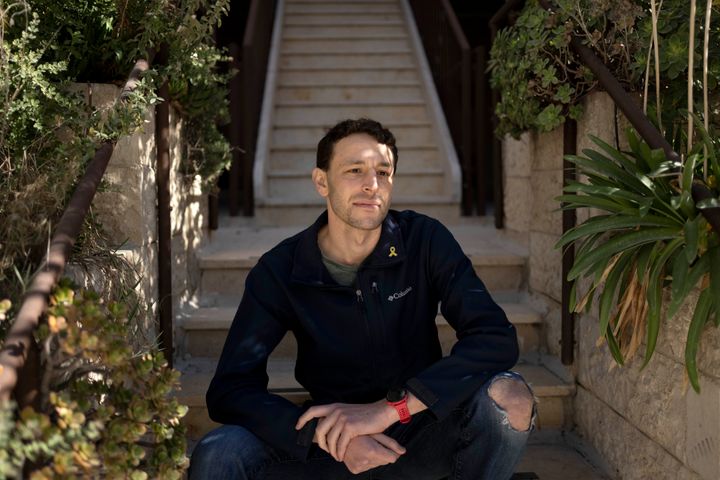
[(513, 396)]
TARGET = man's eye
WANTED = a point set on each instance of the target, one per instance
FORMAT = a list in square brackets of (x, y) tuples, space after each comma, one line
[(384, 174), (354, 170)]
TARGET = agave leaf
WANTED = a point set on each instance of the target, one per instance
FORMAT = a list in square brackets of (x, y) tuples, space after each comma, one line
[(583, 201), (707, 143), (688, 174), (685, 284), (654, 295), (703, 308), (616, 154), (643, 259), (619, 243), (572, 300), (598, 162), (607, 223), (691, 238), (613, 346), (608, 295)]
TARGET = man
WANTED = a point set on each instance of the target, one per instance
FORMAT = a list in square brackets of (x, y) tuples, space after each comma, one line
[(360, 289)]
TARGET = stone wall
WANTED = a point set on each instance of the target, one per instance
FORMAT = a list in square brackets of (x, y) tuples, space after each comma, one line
[(126, 208), (647, 424)]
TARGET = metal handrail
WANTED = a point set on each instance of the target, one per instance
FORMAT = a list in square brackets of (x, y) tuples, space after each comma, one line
[(450, 59), (19, 354)]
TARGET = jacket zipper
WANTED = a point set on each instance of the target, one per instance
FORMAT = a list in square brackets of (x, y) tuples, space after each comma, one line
[(363, 309)]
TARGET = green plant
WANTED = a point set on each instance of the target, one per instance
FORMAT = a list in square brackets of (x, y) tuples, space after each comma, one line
[(533, 65), (105, 408), (650, 236)]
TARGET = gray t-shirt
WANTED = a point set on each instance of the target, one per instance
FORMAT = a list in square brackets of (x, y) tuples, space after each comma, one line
[(343, 274)]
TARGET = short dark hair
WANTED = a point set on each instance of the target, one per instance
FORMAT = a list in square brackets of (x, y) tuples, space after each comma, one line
[(349, 127)]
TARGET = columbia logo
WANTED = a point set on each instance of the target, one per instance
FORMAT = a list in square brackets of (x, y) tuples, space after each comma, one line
[(398, 295)]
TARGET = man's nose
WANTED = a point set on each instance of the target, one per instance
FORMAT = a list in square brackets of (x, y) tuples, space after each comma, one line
[(371, 183)]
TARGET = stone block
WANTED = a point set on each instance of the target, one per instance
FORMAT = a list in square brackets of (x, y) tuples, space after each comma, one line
[(545, 265), (545, 215), (630, 453), (598, 120), (517, 155), (518, 203), (548, 150)]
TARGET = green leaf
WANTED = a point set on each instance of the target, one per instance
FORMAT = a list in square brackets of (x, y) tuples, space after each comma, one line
[(694, 275), (607, 223), (619, 243), (714, 255), (703, 308), (613, 346), (691, 238), (584, 201), (616, 154), (654, 296)]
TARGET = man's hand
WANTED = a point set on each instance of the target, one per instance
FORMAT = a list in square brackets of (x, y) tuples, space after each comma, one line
[(340, 422), (369, 451)]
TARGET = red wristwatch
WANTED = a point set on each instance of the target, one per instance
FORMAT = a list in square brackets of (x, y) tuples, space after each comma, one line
[(397, 398)]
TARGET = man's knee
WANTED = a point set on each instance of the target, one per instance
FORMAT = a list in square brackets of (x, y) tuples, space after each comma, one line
[(229, 451), (513, 396)]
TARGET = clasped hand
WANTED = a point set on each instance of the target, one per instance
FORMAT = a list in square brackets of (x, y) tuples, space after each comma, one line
[(340, 426)]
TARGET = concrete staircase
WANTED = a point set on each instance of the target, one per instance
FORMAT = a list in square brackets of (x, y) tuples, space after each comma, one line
[(333, 60), (337, 60)]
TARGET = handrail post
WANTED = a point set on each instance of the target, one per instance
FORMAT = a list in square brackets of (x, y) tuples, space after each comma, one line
[(162, 142), (236, 126), (567, 336)]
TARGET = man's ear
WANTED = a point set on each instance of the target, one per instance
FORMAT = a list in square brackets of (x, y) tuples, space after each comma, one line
[(319, 178)]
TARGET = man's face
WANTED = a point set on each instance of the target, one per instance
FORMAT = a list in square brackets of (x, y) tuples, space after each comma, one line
[(358, 183)]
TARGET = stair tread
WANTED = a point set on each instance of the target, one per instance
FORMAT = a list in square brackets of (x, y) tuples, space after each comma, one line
[(197, 373), (242, 246), (220, 317)]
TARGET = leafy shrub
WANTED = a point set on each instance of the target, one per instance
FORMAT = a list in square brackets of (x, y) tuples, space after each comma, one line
[(542, 81), (106, 409)]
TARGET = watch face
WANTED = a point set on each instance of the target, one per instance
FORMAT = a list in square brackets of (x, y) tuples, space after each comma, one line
[(396, 394)]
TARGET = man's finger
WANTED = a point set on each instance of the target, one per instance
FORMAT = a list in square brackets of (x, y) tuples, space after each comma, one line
[(323, 427), (389, 443), (313, 412), (343, 443), (332, 438)]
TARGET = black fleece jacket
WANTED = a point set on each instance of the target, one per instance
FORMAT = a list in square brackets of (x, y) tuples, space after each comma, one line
[(354, 343)]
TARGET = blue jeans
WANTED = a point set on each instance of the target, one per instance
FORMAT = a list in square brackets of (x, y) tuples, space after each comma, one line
[(476, 441)]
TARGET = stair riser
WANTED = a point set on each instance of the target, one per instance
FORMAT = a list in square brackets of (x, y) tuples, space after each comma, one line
[(302, 189), (347, 47), (410, 159), (342, 8), (335, 20), (308, 137), (323, 61), (387, 115), (232, 280), (209, 343), (347, 94), (343, 31), (341, 77), (302, 215)]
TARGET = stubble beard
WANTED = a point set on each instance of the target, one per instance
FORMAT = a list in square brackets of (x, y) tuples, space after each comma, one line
[(343, 211)]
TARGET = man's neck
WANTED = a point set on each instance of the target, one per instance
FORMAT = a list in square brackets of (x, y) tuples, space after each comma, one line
[(347, 245)]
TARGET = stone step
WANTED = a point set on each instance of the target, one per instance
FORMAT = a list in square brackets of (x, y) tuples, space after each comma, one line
[(339, 78), (343, 46), (358, 31), (303, 158), (554, 394), (334, 95), (324, 115), (335, 8), (296, 186), (306, 138), (306, 20), (205, 329), (346, 61), (233, 252)]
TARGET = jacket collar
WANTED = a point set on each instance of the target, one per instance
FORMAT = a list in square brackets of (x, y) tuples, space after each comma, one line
[(307, 262)]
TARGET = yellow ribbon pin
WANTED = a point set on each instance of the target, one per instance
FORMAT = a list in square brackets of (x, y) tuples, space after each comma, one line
[(393, 253)]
